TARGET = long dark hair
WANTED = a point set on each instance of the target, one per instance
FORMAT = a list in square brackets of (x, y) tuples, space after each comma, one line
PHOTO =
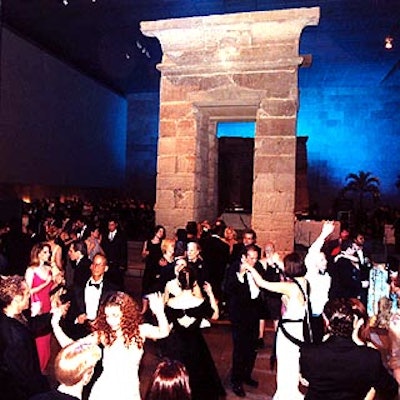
[(170, 381)]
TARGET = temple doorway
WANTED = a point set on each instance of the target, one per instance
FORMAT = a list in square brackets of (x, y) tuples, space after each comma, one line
[(235, 174)]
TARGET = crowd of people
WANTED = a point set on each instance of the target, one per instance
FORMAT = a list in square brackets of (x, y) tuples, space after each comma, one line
[(69, 282)]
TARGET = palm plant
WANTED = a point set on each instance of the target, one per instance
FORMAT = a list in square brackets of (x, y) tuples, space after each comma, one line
[(363, 183)]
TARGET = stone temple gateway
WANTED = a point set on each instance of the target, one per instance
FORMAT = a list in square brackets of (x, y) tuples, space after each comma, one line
[(232, 67)]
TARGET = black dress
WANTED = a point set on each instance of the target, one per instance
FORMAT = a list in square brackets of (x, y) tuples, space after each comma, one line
[(187, 344), (271, 303), (152, 268)]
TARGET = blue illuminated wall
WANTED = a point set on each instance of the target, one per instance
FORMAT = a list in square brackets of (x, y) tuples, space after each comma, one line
[(141, 147), (57, 127), (351, 129)]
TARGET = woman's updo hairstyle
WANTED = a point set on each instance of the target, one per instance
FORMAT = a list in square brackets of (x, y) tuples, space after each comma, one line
[(187, 278)]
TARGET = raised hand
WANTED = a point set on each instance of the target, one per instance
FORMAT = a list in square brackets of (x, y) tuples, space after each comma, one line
[(156, 302), (327, 228)]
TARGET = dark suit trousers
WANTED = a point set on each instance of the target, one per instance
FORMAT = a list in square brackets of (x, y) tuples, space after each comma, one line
[(244, 335)]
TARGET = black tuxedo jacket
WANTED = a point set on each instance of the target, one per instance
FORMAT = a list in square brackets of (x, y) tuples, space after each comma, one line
[(81, 271), (20, 375), (215, 253), (338, 369), (78, 307), (116, 250), (242, 308)]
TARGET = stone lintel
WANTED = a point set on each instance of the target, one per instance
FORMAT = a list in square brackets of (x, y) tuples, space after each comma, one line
[(229, 67), (243, 27)]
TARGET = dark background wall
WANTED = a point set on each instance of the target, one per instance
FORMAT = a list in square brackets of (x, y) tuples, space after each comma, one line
[(57, 127), (141, 146)]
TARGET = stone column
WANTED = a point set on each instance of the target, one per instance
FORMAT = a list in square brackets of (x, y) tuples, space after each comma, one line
[(232, 67)]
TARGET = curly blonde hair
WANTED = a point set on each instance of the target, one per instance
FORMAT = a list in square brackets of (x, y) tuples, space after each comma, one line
[(130, 321)]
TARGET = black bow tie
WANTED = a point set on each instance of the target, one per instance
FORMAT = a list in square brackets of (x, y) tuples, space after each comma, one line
[(96, 285)]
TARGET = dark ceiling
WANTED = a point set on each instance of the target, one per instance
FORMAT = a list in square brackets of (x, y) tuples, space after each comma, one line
[(102, 39)]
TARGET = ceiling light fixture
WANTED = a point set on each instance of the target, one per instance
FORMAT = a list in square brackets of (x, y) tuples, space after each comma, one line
[(388, 42)]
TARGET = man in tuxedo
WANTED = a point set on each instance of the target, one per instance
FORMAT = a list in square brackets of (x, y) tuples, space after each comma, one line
[(249, 237), (115, 247), (338, 368), (243, 303), (215, 253), (78, 271), (87, 297), (80, 227), (365, 265)]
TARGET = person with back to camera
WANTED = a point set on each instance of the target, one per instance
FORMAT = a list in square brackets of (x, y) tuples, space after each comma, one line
[(186, 343), (73, 369), (271, 304), (20, 374), (290, 334), (170, 381), (119, 328), (339, 368)]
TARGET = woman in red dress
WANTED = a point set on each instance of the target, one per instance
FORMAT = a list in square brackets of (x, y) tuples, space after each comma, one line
[(39, 278)]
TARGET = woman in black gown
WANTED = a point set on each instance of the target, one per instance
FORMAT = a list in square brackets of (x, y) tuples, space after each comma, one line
[(186, 342)]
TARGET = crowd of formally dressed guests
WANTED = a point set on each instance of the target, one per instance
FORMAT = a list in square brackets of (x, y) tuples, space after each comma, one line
[(65, 278)]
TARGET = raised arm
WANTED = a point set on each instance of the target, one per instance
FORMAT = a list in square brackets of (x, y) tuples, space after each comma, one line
[(60, 335), (208, 289), (160, 331), (327, 228), (278, 287)]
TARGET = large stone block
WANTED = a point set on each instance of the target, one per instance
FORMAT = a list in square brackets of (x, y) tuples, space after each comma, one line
[(176, 181), (186, 145), (167, 145), (275, 84), (279, 107), (176, 110), (274, 164), (282, 202), (186, 163), (167, 164), (186, 127), (168, 128), (267, 126), (273, 145)]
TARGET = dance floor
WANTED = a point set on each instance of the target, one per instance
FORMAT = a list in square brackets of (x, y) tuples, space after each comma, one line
[(218, 337)]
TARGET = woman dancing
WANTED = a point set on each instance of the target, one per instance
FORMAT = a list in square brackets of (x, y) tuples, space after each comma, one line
[(119, 329), (186, 342), (290, 329)]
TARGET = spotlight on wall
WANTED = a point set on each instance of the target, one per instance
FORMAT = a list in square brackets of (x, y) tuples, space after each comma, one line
[(388, 42)]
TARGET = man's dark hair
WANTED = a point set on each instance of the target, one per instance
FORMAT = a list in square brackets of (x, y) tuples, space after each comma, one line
[(340, 315), (250, 247), (80, 245), (251, 232)]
